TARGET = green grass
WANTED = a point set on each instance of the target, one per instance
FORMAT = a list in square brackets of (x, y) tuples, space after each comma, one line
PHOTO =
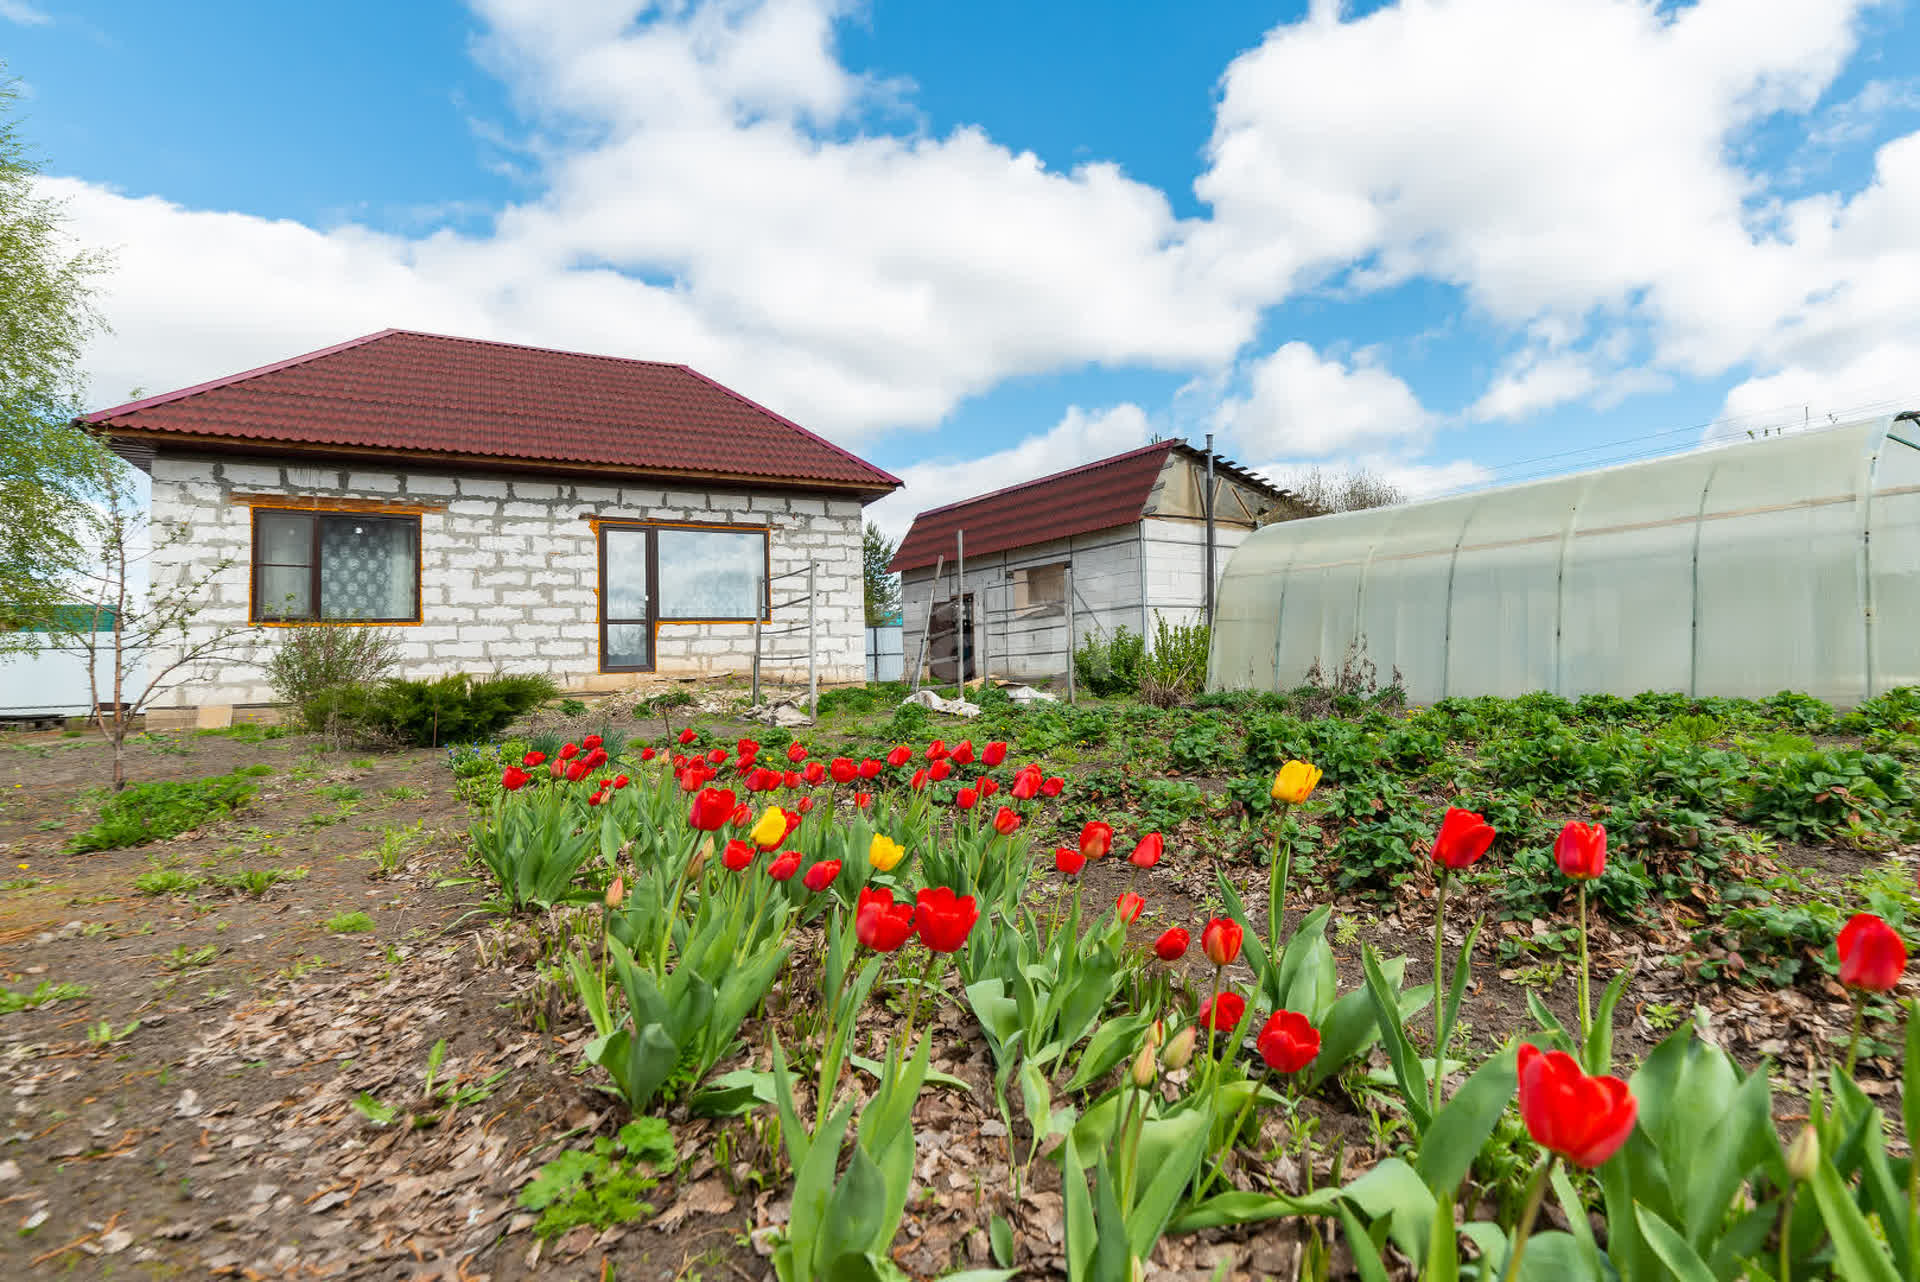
[(349, 924), (147, 812), (46, 993), (166, 881)]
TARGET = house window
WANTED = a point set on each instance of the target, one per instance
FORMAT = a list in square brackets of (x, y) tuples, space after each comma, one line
[(1040, 590), (322, 567), (651, 575)]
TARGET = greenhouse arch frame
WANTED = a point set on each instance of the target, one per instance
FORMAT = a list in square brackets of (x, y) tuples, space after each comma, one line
[(1788, 562)]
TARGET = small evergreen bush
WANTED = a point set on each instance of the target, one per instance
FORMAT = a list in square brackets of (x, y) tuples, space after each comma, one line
[(324, 673), (447, 709)]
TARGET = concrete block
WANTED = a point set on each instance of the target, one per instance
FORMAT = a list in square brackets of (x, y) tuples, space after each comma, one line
[(305, 480), (250, 474), (535, 490), (475, 488), (376, 482), (417, 484)]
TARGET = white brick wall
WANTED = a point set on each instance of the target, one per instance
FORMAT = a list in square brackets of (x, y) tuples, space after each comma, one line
[(509, 571)]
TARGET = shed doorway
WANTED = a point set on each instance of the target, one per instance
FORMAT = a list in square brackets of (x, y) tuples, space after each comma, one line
[(950, 646)]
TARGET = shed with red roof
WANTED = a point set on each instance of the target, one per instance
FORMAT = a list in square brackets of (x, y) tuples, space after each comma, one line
[(503, 507), (1119, 543)]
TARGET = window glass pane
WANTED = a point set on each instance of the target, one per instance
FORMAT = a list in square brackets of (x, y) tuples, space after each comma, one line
[(366, 568), (711, 574), (283, 592), (626, 574), (283, 538), (626, 645)]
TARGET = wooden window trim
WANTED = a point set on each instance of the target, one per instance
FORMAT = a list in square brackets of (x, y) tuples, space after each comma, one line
[(254, 563), (654, 620)]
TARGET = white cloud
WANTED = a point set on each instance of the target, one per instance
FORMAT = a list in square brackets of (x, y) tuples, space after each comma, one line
[(23, 13), (1301, 404), (1081, 436), (1534, 385), (1856, 118)]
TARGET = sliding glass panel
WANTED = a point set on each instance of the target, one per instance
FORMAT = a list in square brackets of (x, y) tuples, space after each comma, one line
[(283, 565), (367, 568), (711, 574), (626, 554)]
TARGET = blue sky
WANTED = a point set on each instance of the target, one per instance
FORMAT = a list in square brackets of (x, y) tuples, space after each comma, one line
[(1456, 241)]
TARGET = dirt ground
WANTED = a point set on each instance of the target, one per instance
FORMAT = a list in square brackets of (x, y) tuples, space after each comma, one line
[(190, 1114)]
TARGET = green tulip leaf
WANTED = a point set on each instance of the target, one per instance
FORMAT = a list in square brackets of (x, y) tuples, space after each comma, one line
[(1460, 1129)]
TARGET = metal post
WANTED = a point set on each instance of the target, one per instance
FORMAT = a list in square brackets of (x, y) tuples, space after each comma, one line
[(1069, 631), (813, 650), (986, 628), (1209, 529), (963, 617), (761, 599), (926, 629)]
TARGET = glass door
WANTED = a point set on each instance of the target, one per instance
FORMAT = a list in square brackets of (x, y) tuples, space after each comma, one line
[(626, 603)]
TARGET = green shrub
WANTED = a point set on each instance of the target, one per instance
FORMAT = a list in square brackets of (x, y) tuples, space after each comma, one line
[(1813, 795), (1107, 666), (447, 709), (318, 672), (1177, 664), (144, 812), (1201, 748)]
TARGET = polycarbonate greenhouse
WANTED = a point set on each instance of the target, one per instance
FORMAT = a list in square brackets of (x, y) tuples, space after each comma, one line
[(1788, 562)]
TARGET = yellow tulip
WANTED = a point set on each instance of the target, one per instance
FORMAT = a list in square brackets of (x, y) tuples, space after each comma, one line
[(884, 852), (1295, 782), (771, 830)]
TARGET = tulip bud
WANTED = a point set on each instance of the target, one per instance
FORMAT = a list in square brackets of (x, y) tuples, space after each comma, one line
[(1156, 1032), (1179, 1052), (1803, 1155), (617, 892), (1142, 1072)]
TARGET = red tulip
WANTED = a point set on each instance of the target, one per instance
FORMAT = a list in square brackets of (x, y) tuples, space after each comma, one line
[(742, 815), (746, 747), (760, 780), (533, 759), (1129, 906), (513, 778), (718, 756), (1288, 1042), (1147, 853), (556, 769), (1581, 850), (993, 754), (578, 770), (1051, 786), (1096, 839), (620, 781), (711, 809), (796, 752), (595, 758), (604, 784), (1026, 783), (793, 821), (737, 855), (869, 768), (1872, 954), (783, 868), (986, 786), (1583, 1119), (1222, 1011), (936, 750), (900, 755), (791, 779), (1221, 941), (1005, 822), (821, 875), (843, 770), (648, 754), (944, 919), (881, 924), (965, 799), (591, 742), (919, 780), (1171, 946), (804, 805), (939, 770), (962, 754), (679, 761), (597, 798), (861, 800), (688, 735), (1068, 860), (1463, 838), (814, 773)]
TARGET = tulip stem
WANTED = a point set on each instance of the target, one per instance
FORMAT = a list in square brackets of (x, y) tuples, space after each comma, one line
[(1527, 1217), (673, 906), (1213, 1020), (1439, 988), (1277, 888), (1233, 1131), (1853, 1038), (1786, 1236), (1586, 1008)]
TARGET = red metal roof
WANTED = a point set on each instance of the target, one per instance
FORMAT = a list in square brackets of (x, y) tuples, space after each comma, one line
[(401, 391), (1095, 496)]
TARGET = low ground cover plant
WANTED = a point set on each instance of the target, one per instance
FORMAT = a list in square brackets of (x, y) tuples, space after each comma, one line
[(147, 812)]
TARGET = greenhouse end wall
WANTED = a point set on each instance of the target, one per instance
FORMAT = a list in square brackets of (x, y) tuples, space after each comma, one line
[(1785, 563)]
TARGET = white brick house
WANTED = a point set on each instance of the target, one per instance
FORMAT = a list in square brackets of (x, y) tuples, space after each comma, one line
[(501, 508)]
